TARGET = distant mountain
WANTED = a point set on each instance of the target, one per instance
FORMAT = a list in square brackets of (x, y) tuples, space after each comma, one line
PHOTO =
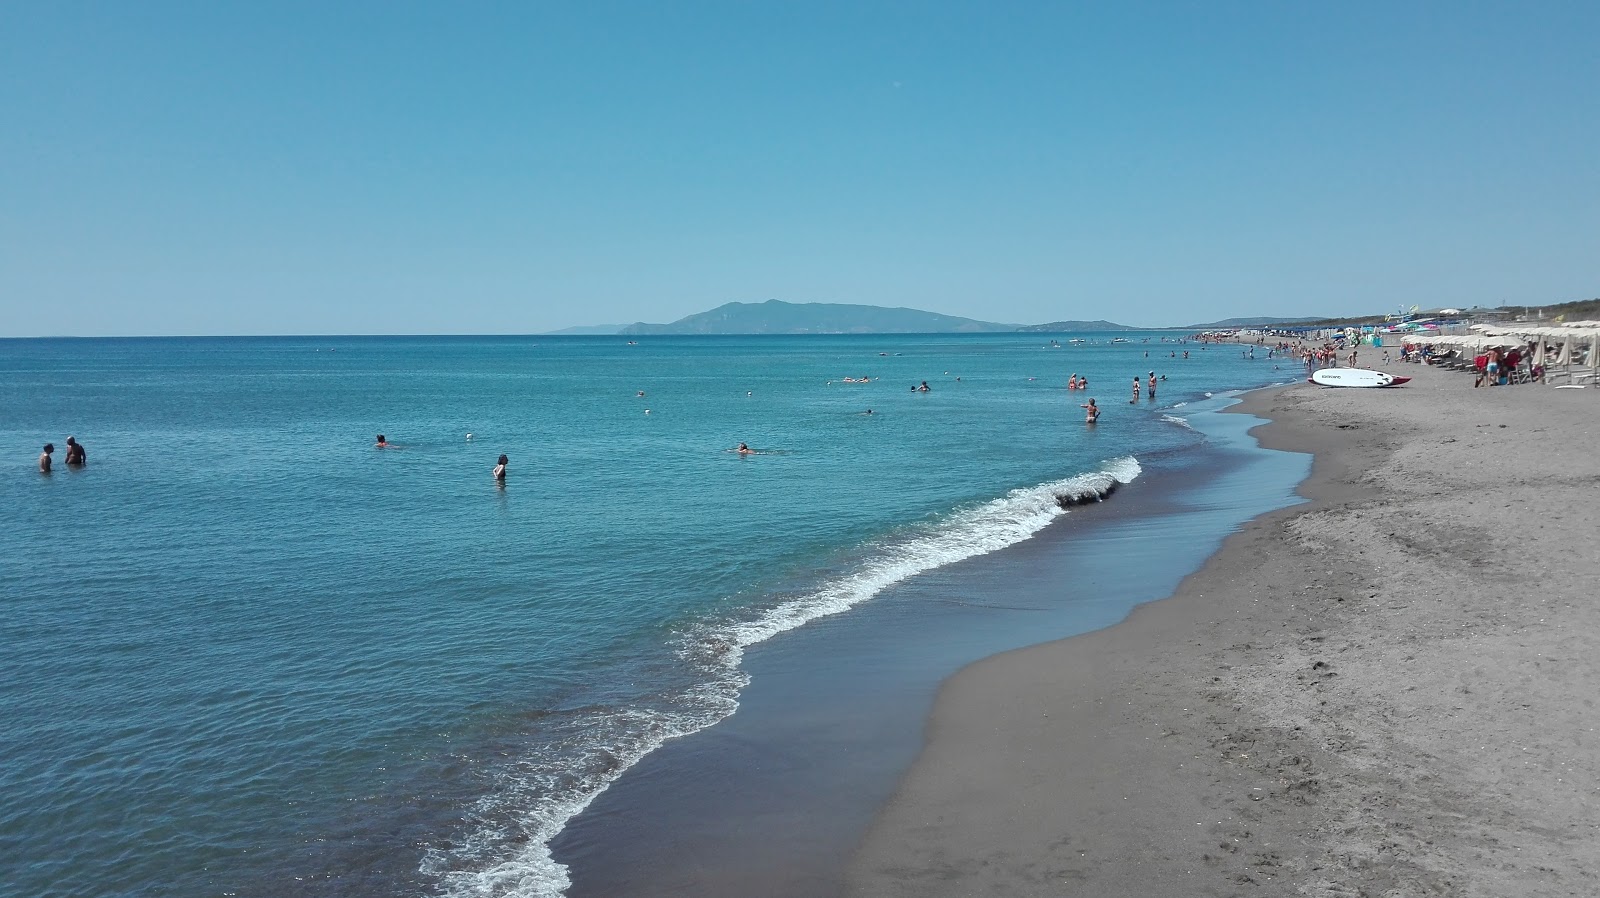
[(778, 317), (588, 330), (1228, 323), (1066, 327)]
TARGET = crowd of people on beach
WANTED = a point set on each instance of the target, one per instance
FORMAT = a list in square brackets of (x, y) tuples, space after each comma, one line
[(1494, 367)]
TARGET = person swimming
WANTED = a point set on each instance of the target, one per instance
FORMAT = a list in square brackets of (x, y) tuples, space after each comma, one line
[(383, 443), (744, 449)]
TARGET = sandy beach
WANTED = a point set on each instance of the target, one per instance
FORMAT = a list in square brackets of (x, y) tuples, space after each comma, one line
[(1386, 691)]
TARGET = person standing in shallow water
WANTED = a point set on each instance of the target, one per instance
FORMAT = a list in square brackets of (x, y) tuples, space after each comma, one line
[(1135, 398), (76, 457), (500, 469), (1092, 412), (44, 458)]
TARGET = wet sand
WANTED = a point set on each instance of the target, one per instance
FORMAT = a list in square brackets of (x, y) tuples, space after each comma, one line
[(1388, 691)]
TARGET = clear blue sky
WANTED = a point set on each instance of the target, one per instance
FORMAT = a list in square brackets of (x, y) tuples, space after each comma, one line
[(278, 168)]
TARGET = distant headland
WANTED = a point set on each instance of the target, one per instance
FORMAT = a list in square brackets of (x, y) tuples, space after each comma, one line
[(778, 317)]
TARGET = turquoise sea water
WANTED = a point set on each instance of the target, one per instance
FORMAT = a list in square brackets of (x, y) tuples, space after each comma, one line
[(245, 652)]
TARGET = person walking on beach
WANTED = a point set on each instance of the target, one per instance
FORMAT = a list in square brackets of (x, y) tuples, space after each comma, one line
[(1092, 412), (500, 469), (44, 458), (76, 457), (1135, 399)]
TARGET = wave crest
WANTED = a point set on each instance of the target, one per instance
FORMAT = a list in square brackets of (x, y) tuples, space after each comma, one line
[(534, 800)]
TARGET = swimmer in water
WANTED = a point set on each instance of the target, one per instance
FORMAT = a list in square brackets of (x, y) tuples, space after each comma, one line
[(744, 449), (1092, 412), (383, 443)]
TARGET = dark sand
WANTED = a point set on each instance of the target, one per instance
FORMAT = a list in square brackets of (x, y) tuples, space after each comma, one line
[(1389, 691)]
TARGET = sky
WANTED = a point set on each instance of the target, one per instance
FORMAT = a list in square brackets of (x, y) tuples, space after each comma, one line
[(415, 168)]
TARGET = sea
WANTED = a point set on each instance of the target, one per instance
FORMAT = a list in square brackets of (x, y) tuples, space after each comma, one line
[(244, 651)]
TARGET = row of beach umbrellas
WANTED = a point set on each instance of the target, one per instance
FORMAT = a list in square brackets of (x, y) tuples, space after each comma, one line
[(1568, 337)]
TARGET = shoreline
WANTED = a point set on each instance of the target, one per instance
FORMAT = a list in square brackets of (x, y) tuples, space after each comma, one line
[(1363, 694), (774, 799)]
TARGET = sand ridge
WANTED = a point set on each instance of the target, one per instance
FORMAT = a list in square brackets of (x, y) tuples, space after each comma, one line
[(1388, 691)]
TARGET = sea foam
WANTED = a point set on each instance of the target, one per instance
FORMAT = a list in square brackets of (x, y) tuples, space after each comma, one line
[(506, 852)]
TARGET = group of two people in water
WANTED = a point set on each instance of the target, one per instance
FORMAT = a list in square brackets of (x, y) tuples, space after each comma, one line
[(499, 466), (76, 456), (1135, 398)]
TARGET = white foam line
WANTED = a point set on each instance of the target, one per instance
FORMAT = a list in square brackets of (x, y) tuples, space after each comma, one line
[(553, 798)]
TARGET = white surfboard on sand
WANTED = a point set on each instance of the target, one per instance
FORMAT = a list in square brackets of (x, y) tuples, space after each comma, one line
[(1355, 377)]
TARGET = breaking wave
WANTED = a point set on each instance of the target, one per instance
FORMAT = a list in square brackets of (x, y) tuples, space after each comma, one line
[(505, 849)]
